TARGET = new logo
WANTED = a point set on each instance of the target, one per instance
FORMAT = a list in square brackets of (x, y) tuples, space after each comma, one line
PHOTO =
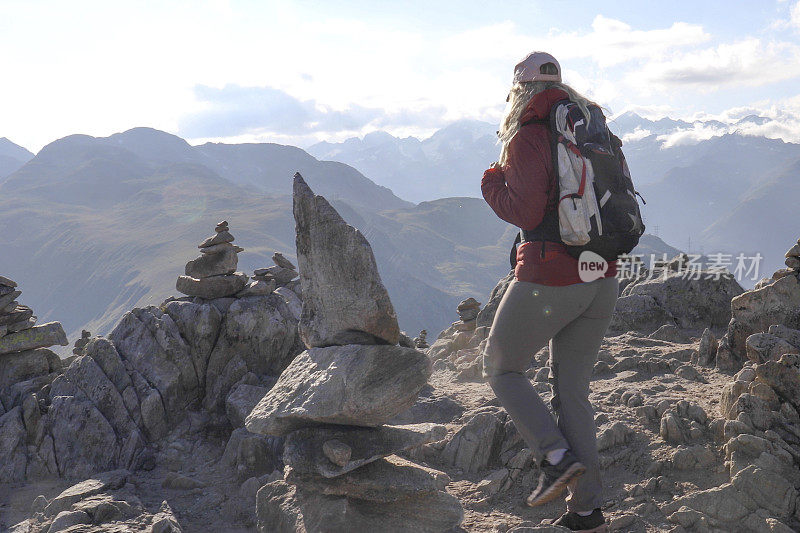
[(591, 266)]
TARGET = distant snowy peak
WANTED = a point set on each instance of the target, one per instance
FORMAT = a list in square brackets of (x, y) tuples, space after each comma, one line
[(668, 132)]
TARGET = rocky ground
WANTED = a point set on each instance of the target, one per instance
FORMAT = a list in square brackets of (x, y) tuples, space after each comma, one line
[(248, 412), (640, 473)]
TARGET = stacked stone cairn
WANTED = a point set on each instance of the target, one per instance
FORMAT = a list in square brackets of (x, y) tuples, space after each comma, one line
[(332, 401), (213, 274), (468, 313), (18, 332), (81, 343), (266, 280), (459, 347), (793, 259), (421, 342)]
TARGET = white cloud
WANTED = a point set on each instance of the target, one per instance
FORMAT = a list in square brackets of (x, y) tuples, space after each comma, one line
[(610, 42), (750, 62), (794, 15), (699, 132), (636, 135)]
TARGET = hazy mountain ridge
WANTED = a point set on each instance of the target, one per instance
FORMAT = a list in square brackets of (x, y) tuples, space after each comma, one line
[(449, 163), (12, 157), (690, 185), (98, 226)]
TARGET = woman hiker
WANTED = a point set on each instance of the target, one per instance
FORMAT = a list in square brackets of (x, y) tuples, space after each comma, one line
[(546, 302)]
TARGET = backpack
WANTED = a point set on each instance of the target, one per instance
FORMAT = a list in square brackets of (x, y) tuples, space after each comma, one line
[(597, 205)]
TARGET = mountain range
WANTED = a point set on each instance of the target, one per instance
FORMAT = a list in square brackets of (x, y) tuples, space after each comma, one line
[(96, 226), (697, 190)]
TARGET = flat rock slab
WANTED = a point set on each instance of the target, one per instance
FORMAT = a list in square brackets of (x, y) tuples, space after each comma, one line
[(343, 295), (218, 238), (5, 300), (360, 385), (42, 336), (385, 480), (303, 449), (213, 287), (285, 508), (107, 480), (213, 264), (20, 313)]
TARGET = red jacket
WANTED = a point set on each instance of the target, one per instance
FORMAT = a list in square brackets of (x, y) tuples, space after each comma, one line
[(525, 189)]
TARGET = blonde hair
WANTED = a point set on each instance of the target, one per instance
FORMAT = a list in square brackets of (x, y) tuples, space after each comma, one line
[(518, 99)]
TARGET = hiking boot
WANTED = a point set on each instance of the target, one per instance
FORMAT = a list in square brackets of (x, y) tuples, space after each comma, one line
[(594, 523), (555, 478)]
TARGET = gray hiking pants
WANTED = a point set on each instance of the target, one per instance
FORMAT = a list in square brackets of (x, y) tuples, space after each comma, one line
[(574, 320)]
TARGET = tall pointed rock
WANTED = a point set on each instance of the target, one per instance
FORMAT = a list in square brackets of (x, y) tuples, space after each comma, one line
[(344, 300)]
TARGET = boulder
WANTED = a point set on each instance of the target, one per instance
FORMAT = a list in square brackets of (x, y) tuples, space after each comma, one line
[(240, 401), (362, 385), (67, 519), (49, 334), (344, 300), (755, 311), (285, 508), (707, 349), (790, 335), (84, 440), (638, 312), (199, 325), (258, 334), (304, 448), (472, 447), (112, 479), (22, 366), (690, 301), (150, 341), (213, 287), (783, 379), (762, 347)]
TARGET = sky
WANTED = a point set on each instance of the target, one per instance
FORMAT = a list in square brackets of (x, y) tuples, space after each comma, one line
[(300, 72)]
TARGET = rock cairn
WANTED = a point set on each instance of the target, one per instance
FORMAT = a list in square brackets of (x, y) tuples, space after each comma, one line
[(468, 313), (266, 280), (81, 343), (18, 332), (421, 342), (459, 347), (213, 274), (333, 400), (793, 258)]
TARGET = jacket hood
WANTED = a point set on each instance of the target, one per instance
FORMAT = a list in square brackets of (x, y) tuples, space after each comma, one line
[(539, 106)]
